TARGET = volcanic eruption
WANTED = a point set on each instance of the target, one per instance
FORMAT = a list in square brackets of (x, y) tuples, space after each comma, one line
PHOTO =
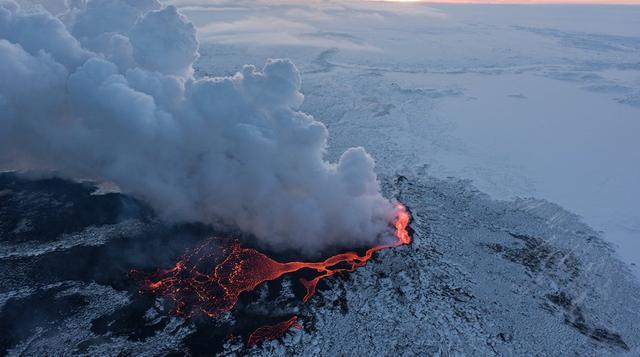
[(106, 90), (94, 94), (195, 286)]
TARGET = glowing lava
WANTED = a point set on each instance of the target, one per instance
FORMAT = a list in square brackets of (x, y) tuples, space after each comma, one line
[(271, 332), (195, 284)]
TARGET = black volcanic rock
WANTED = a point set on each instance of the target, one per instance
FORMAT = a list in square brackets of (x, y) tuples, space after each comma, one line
[(41, 210), (482, 277)]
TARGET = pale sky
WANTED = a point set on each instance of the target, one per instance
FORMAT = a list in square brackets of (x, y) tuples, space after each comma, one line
[(628, 2)]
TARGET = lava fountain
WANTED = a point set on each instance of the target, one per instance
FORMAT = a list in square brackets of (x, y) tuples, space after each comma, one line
[(195, 285)]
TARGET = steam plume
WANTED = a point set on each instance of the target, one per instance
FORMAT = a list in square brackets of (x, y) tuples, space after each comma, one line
[(105, 90)]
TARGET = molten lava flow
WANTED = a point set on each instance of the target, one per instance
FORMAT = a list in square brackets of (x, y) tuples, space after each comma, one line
[(195, 285), (352, 259), (271, 332)]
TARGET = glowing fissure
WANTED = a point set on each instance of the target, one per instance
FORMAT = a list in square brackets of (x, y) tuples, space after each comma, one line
[(195, 286), (270, 332)]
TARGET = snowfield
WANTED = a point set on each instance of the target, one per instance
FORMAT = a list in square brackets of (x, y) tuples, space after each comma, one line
[(524, 101), (482, 277), (510, 132)]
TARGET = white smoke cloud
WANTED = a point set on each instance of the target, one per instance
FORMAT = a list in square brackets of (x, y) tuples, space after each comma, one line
[(105, 90)]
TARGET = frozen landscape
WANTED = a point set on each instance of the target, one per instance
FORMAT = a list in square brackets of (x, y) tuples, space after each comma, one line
[(510, 132), (524, 101)]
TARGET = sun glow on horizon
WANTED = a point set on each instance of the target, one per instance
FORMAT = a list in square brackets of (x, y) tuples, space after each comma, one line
[(520, 2)]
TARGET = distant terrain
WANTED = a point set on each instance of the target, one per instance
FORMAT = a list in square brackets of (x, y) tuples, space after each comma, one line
[(525, 101)]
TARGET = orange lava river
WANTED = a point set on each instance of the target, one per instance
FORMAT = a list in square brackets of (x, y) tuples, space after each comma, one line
[(195, 285)]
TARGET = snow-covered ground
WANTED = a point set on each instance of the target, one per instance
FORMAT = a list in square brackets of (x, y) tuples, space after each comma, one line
[(524, 101), (539, 101), (481, 278)]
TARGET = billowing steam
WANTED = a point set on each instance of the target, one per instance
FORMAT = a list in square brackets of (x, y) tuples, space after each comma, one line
[(105, 90)]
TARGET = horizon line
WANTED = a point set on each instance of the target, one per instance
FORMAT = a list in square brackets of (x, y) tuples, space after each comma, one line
[(516, 2)]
